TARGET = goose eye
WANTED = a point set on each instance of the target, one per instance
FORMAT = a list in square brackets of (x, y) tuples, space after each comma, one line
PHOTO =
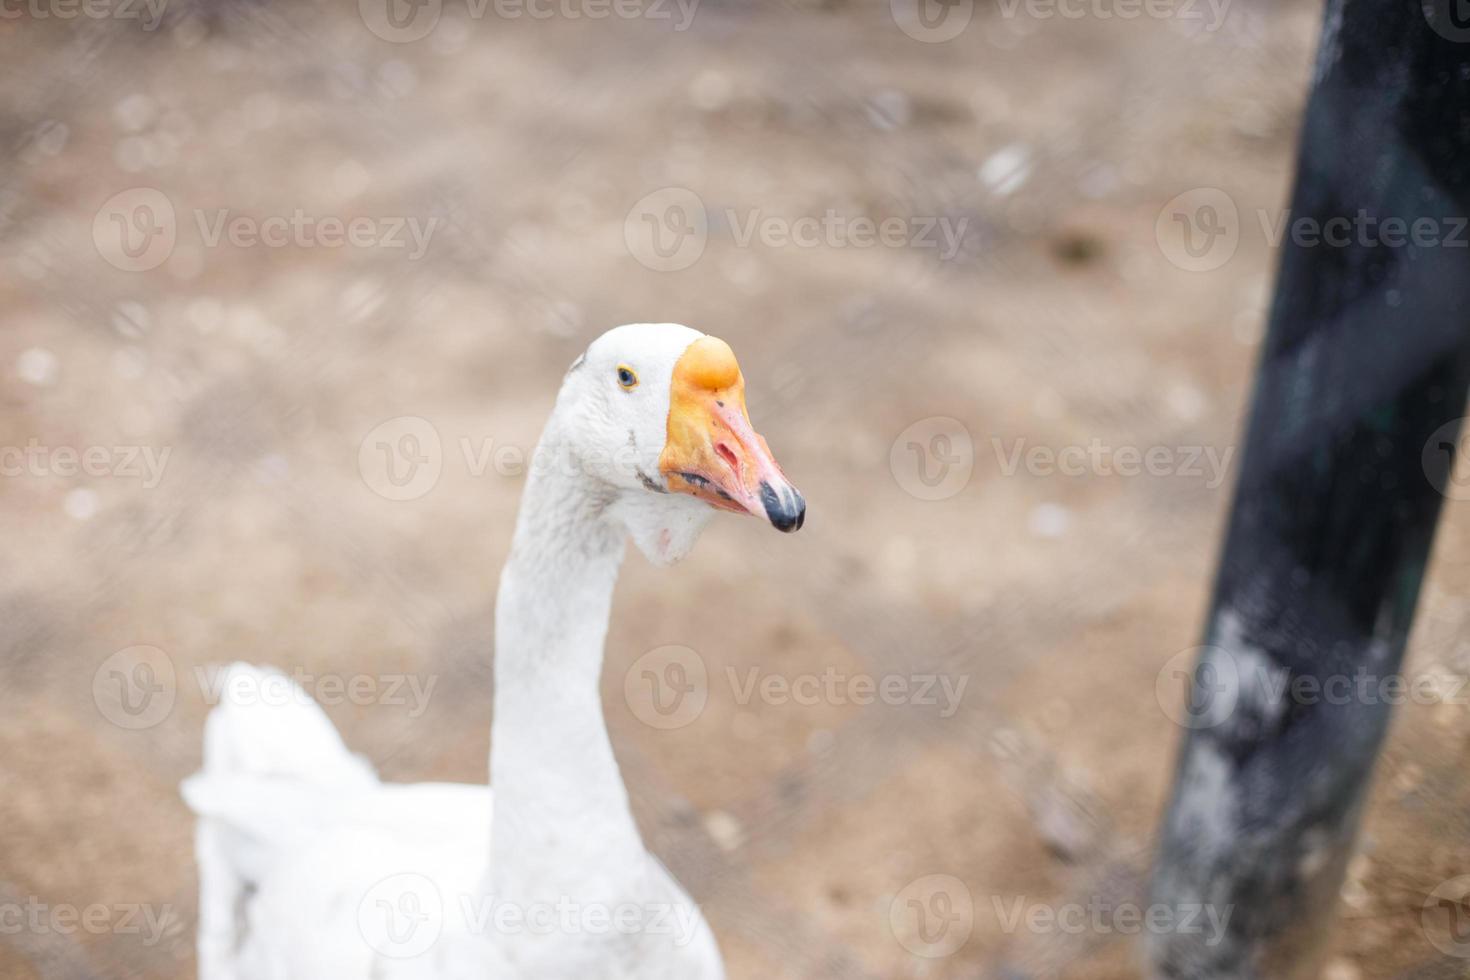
[(627, 377)]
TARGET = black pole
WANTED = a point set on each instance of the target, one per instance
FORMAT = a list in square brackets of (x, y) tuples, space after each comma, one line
[(1355, 414)]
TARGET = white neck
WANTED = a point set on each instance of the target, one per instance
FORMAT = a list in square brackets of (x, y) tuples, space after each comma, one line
[(562, 825)]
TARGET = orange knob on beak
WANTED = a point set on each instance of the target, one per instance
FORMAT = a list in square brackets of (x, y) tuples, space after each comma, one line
[(712, 452)]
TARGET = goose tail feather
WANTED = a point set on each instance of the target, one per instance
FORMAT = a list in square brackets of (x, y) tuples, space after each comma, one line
[(273, 768)]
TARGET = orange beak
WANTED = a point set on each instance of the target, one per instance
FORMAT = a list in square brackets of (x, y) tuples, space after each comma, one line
[(712, 452)]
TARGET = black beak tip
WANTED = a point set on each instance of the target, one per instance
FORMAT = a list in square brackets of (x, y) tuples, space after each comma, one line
[(786, 510)]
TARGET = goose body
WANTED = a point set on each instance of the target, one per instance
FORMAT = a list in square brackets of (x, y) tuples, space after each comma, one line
[(311, 867)]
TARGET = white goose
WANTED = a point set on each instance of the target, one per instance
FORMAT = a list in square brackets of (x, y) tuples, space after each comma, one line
[(312, 869)]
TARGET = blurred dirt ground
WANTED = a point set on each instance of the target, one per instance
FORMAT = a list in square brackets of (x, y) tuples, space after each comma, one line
[(802, 828)]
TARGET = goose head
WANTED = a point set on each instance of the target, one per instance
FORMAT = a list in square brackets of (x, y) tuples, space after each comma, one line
[(658, 416)]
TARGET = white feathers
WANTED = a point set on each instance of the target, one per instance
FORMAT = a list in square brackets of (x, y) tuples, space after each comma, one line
[(265, 725), (312, 868)]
